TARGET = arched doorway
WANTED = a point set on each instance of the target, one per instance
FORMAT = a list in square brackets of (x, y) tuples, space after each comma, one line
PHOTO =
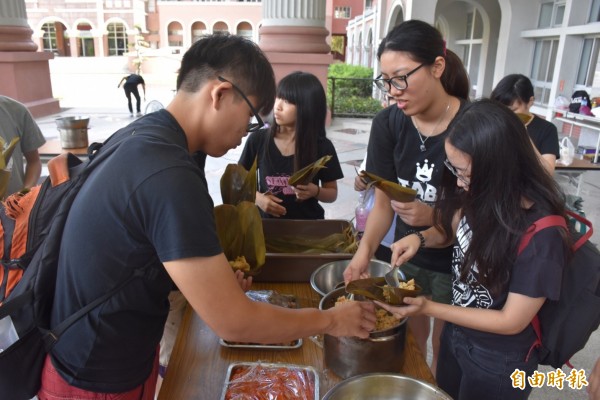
[(220, 27), (244, 29), (85, 40), (117, 39), (198, 30), (55, 39), (175, 32)]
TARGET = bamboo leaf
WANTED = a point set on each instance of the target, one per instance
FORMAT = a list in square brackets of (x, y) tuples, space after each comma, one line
[(393, 190), (307, 174)]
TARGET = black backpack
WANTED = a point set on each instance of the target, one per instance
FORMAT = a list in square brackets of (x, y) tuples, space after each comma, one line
[(563, 327), (29, 305), (578, 97)]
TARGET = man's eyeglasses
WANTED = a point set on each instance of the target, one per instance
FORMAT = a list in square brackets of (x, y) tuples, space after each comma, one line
[(252, 126), (455, 172), (399, 82)]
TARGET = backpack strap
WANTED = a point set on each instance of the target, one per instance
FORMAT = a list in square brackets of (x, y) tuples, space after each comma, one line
[(52, 336)]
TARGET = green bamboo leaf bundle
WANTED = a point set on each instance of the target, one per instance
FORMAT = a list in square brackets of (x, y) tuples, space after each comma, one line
[(308, 173), (393, 190), (341, 242)]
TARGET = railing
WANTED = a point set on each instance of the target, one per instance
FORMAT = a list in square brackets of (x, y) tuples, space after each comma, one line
[(352, 97)]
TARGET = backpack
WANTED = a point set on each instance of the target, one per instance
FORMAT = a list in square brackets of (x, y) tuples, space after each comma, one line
[(563, 327), (34, 243)]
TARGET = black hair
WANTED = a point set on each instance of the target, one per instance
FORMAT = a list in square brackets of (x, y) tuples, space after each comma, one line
[(306, 92), (234, 58), (425, 43), (511, 88), (505, 169)]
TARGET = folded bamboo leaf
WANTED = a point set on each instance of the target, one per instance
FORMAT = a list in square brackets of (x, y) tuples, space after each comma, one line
[(393, 190), (238, 185), (7, 153), (241, 234), (307, 174), (342, 242)]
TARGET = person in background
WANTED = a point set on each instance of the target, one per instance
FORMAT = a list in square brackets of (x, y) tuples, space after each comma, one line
[(429, 85), (516, 92), (295, 140), (484, 207), (16, 121), (131, 87), (159, 216)]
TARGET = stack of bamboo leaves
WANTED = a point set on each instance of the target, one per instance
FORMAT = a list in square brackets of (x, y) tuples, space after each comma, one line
[(238, 221)]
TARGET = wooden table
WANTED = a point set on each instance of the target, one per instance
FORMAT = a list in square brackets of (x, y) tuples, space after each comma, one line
[(198, 365), (52, 148)]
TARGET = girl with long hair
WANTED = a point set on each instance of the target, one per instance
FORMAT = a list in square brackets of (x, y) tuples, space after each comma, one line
[(495, 188), (295, 140), (429, 85)]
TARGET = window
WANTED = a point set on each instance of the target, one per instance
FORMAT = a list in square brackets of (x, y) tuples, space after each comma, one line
[(588, 64), (49, 37), (117, 39), (551, 14), (595, 11), (542, 70), (342, 12)]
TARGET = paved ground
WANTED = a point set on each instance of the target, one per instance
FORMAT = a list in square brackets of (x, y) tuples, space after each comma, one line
[(93, 93)]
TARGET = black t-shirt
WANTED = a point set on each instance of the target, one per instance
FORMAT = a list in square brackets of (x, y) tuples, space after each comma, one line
[(274, 169), (148, 203), (544, 136), (537, 272), (394, 153), (134, 80)]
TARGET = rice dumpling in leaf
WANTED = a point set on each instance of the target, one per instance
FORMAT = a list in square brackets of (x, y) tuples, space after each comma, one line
[(241, 234), (393, 190), (238, 185), (307, 174)]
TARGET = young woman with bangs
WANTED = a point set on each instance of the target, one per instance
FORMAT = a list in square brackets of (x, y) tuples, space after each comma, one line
[(295, 140)]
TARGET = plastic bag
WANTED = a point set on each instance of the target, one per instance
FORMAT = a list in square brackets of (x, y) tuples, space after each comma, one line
[(561, 103), (567, 151)]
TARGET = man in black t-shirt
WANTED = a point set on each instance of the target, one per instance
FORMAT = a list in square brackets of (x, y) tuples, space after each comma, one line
[(131, 87), (147, 208)]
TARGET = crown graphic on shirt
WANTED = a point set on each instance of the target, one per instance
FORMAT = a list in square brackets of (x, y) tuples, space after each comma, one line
[(424, 173)]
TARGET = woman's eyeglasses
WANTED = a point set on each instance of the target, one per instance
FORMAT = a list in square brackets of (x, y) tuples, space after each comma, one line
[(252, 126), (399, 82), (455, 172)]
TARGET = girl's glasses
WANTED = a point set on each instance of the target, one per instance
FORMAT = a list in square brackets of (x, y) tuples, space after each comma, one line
[(455, 172), (252, 126), (399, 82)]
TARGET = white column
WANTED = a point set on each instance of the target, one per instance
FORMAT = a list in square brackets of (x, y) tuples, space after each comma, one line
[(15, 34)]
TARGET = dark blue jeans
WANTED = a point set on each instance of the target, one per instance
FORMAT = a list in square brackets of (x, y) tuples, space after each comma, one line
[(467, 371)]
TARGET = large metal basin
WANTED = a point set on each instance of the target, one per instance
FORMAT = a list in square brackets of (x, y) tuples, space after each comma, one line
[(330, 276), (384, 386)]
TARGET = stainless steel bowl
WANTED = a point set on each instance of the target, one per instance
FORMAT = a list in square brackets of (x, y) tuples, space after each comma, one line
[(331, 275), (383, 386)]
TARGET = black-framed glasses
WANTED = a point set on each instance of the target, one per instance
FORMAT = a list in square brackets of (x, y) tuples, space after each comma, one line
[(455, 172), (252, 126), (399, 82)]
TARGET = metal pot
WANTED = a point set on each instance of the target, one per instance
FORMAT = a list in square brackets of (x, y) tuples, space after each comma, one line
[(385, 387), (350, 356), (73, 131)]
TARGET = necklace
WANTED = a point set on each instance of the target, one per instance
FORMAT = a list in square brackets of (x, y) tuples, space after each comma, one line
[(422, 146)]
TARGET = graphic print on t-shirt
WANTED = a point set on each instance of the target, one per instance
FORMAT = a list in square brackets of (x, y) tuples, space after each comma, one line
[(425, 191), (279, 184), (469, 293)]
